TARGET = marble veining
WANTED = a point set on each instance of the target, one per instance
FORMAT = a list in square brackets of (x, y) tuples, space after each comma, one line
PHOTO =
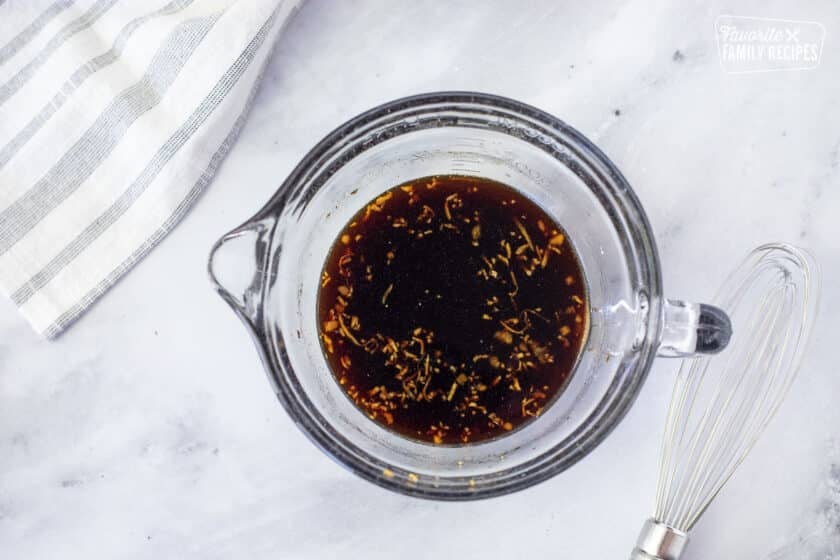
[(149, 430)]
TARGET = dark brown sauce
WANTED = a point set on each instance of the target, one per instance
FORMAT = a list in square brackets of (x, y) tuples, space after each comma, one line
[(452, 309)]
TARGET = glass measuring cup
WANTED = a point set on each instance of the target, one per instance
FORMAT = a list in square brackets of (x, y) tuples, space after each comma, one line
[(268, 270)]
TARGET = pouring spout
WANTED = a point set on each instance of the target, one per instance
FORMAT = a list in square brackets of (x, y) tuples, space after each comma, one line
[(237, 267)]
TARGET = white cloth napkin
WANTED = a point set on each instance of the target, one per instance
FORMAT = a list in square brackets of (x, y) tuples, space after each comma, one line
[(114, 115)]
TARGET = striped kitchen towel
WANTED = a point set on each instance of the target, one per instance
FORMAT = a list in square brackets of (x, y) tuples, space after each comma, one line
[(114, 115)]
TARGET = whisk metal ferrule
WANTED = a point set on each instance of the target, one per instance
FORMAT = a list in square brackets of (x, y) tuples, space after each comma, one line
[(658, 541)]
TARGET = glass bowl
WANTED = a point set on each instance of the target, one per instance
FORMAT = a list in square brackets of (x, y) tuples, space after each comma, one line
[(269, 268)]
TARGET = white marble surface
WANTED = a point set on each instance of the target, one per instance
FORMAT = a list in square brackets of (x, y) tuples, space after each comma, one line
[(150, 431)]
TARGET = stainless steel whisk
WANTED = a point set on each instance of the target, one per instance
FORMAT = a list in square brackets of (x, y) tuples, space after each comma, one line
[(721, 404)]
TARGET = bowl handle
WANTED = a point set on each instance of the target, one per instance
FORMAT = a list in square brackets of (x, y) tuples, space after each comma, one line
[(238, 266), (693, 329)]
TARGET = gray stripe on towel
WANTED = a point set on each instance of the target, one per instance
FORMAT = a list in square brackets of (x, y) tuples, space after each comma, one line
[(220, 91), (76, 26), (85, 156), (21, 39), (86, 70)]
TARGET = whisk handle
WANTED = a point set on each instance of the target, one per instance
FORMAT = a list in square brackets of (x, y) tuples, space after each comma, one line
[(658, 541)]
